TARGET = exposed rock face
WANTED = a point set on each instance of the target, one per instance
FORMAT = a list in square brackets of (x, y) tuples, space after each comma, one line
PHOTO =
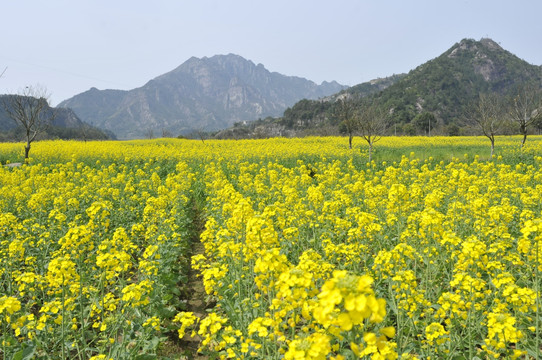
[(207, 93), (478, 51)]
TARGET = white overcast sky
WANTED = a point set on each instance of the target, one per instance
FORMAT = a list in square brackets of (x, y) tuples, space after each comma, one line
[(69, 46)]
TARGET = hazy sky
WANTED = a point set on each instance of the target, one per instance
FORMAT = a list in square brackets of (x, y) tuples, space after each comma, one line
[(69, 46)]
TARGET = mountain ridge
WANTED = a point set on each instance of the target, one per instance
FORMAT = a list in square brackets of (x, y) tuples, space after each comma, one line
[(446, 84), (207, 93), (217, 92), (443, 86)]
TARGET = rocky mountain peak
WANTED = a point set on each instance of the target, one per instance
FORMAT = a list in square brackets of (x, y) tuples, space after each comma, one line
[(208, 93), (479, 48), (490, 44), (485, 56)]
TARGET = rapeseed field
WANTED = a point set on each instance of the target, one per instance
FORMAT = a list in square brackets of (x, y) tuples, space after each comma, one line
[(432, 250)]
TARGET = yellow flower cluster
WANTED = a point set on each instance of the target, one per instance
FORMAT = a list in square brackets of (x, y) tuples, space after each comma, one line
[(324, 259), (310, 252), (91, 252)]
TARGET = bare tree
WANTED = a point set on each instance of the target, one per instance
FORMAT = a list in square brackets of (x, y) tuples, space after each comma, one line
[(372, 122), (488, 113), (30, 109), (201, 133), (526, 109), (345, 111), (84, 129), (149, 133), (166, 133)]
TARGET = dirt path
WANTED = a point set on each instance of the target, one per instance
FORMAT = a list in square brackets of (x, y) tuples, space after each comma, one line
[(195, 290), (197, 305)]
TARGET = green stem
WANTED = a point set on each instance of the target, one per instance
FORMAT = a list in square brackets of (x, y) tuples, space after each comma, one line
[(81, 313), (398, 316), (63, 315), (9, 278), (537, 291), (469, 325), (3, 338)]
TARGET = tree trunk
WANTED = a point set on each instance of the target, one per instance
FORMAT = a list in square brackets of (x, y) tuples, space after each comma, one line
[(492, 147), (26, 150), (370, 151), (350, 136), (523, 140)]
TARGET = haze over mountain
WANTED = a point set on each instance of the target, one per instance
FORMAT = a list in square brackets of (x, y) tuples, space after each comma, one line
[(443, 87), (201, 94)]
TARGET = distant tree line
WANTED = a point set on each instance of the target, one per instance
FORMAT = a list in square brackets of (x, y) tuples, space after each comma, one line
[(488, 114), (370, 117)]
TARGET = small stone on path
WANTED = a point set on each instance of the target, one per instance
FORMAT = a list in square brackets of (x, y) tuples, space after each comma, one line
[(11, 165)]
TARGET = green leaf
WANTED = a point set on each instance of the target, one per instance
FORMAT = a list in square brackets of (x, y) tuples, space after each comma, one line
[(27, 353)]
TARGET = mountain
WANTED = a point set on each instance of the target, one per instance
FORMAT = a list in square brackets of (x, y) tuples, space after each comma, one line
[(442, 87), (307, 117), (445, 85), (201, 94), (65, 125)]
